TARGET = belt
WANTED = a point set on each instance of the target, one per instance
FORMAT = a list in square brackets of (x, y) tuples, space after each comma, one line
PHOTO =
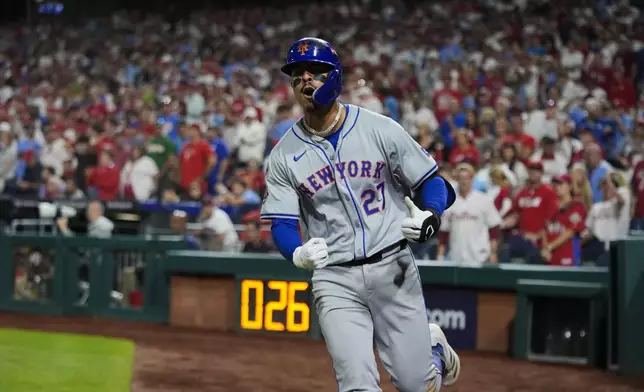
[(388, 251)]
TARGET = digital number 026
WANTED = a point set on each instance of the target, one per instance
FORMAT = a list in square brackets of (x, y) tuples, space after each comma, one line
[(263, 316)]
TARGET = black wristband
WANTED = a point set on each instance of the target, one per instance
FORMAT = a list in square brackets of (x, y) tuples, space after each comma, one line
[(430, 226)]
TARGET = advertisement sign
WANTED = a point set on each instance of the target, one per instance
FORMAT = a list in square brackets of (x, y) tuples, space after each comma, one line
[(456, 313)]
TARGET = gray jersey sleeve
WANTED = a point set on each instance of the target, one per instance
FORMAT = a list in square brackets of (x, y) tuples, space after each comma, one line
[(281, 200), (406, 157)]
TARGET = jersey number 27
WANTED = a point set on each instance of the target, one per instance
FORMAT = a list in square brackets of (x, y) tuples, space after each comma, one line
[(369, 196)]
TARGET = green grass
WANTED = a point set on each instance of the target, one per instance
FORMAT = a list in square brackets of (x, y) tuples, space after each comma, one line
[(53, 362)]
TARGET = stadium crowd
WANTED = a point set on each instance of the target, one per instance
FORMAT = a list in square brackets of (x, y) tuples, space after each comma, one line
[(536, 104)]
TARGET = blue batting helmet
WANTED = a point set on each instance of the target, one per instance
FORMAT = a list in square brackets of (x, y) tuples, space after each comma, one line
[(315, 50)]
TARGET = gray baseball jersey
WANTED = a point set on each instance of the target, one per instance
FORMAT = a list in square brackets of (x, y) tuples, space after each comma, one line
[(352, 195)]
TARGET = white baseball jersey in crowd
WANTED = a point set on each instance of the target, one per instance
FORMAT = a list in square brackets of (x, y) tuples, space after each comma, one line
[(468, 221), (607, 221)]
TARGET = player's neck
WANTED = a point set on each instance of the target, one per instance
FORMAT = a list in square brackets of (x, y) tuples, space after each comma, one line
[(320, 120)]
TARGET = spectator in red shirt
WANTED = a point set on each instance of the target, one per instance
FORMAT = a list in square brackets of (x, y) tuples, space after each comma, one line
[(533, 205), (104, 138), (561, 240), (622, 91), (637, 185), (97, 109), (597, 75), (463, 149), (195, 160), (442, 99), (253, 175), (524, 142), (105, 177), (494, 81), (625, 58)]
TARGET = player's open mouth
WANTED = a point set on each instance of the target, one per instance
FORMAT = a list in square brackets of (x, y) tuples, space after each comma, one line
[(308, 91)]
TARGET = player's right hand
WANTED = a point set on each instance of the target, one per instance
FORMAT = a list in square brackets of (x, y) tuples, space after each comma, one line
[(312, 255)]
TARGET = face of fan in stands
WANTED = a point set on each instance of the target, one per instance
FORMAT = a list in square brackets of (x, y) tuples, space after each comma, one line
[(105, 159), (94, 211), (195, 191), (252, 232), (534, 176), (238, 187), (593, 155)]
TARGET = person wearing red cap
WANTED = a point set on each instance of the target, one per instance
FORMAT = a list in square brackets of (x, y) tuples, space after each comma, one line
[(561, 241), (534, 203), (195, 160)]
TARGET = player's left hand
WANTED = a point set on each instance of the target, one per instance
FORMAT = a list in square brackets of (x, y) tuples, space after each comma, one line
[(420, 225), (312, 255)]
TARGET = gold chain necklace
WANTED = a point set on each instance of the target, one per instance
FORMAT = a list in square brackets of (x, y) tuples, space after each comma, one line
[(329, 128)]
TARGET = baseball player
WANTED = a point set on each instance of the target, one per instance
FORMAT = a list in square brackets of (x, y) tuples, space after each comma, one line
[(471, 225), (342, 174)]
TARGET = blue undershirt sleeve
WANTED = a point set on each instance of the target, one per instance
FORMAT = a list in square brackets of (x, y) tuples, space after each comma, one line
[(434, 194), (286, 236)]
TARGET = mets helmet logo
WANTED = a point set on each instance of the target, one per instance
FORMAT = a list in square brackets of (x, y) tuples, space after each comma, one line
[(303, 47)]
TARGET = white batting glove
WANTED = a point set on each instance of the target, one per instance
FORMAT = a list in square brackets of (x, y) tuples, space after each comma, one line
[(312, 255), (420, 225)]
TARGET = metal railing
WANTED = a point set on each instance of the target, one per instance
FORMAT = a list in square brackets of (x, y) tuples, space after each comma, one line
[(33, 226)]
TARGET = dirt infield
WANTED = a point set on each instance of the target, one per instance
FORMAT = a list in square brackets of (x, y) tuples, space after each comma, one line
[(181, 360)]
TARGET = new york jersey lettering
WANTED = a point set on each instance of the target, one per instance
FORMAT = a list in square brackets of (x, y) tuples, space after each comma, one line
[(350, 169)]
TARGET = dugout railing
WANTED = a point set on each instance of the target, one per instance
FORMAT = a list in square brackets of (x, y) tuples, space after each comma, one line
[(578, 315), (57, 275)]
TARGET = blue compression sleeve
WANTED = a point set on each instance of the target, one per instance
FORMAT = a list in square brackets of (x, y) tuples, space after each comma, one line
[(434, 194), (286, 236)]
